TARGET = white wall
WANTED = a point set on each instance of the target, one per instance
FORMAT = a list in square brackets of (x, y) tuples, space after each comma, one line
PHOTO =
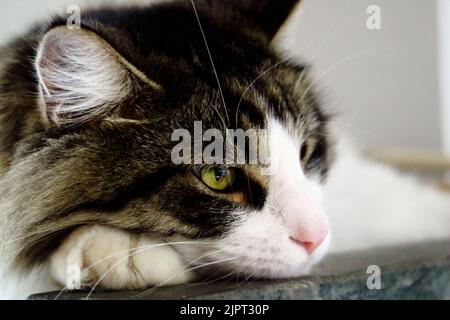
[(384, 83)]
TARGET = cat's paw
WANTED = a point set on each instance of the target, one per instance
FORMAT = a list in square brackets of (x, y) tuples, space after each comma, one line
[(114, 259)]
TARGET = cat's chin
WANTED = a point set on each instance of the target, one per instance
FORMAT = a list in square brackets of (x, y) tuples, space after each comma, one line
[(279, 258)]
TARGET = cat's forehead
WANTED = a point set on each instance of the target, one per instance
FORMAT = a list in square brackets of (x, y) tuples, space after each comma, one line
[(273, 90)]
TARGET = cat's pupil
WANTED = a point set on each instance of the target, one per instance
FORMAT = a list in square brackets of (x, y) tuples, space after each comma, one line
[(303, 151), (220, 173)]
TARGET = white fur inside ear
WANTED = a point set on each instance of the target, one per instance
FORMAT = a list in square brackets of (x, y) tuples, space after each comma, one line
[(80, 76)]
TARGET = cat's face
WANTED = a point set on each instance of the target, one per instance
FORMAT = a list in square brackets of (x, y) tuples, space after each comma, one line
[(111, 97), (285, 232)]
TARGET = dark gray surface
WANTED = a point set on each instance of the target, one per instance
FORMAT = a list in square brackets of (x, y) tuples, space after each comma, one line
[(409, 272)]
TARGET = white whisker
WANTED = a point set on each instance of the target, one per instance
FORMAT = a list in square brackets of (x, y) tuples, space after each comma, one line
[(127, 257), (334, 65), (183, 272), (211, 59)]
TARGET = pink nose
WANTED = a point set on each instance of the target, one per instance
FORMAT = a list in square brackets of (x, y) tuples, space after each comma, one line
[(304, 218), (310, 241)]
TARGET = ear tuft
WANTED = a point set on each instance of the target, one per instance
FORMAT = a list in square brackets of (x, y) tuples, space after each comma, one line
[(81, 77)]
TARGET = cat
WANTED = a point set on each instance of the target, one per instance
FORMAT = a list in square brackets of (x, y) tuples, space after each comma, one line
[(87, 147), (87, 180)]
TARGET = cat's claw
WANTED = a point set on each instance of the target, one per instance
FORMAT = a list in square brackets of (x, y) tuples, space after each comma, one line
[(106, 258)]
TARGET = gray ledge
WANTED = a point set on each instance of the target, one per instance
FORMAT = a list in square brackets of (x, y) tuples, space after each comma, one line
[(408, 272)]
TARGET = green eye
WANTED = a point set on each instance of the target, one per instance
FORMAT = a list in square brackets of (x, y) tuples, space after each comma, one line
[(218, 178)]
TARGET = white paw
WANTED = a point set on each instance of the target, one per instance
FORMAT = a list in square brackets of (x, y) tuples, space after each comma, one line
[(114, 259)]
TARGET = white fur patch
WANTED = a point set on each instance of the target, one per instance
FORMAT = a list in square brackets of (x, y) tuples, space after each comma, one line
[(113, 259), (372, 205)]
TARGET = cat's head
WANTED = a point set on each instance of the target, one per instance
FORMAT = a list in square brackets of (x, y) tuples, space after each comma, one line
[(112, 97)]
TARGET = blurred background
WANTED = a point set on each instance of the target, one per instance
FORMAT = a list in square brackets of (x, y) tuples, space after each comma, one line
[(389, 86)]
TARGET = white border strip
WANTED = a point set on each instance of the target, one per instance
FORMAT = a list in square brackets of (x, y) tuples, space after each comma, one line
[(443, 24)]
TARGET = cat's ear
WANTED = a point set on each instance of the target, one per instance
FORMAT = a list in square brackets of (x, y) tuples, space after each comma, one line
[(269, 15), (81, 77)]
